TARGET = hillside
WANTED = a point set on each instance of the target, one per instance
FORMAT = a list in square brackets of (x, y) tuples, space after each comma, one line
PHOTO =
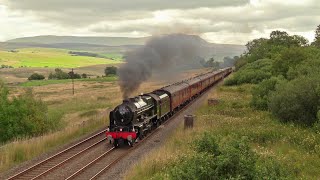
[(48, 57), (106, 44), (110, 41)]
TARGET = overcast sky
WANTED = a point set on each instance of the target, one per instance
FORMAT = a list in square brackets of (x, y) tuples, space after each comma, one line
[(218, 21)]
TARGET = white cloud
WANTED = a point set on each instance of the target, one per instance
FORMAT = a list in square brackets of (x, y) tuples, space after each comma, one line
[(218, 21)]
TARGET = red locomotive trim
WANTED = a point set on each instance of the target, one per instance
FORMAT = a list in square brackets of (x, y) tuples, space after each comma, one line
[(122, 135)]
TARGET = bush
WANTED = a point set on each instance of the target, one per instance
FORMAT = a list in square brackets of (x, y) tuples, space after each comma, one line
[(36, 76), (262, 91), (22, 116), (110, 70), (84, 75), (254, 73), (231, 158), (58, 74), (5, 66), (289, 58), (297, 101), (207, 144), (73, 75)]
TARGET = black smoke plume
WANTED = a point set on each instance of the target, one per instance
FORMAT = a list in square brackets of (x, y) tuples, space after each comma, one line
[(166, 54)]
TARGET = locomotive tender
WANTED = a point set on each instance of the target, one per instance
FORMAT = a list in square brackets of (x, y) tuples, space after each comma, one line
[(137, 116)]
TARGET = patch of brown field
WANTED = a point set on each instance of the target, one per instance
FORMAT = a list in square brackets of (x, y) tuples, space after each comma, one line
[(75, 119), (19, 75)]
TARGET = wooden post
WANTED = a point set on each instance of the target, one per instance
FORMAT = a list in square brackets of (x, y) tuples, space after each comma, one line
[(72, 82), (188, 121)]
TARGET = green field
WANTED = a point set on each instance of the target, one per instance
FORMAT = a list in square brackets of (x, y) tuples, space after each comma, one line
[(47, 57), (113, 56)]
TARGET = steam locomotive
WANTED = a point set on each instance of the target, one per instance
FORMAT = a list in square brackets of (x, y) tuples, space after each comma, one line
[(137, 116)]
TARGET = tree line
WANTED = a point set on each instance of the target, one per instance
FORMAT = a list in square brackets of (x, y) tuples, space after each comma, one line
[(60, 74), (285, 69), (211, 62)]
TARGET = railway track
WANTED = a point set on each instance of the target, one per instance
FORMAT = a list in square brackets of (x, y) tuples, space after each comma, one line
[(98, 166), (46, 166)]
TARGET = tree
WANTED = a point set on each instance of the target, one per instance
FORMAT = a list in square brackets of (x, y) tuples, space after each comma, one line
[(317, 38), (262, 91), (281, 38), (296, 101), (59, 74), (229, 62), (254, 73), (289, 58), (36, 76), (300, 40), (110, 70), (84, 75), (257, 49), (73, 75), (52, 76)]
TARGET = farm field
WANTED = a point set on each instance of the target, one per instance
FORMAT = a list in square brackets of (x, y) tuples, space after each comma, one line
[(48, 57), (20, 75), (113, 56)]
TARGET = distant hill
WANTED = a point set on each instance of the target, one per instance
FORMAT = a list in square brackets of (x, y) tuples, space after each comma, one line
[(107, 44), (110, 41)]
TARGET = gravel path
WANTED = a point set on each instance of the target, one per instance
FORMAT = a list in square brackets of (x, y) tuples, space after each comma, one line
[(154, 142)]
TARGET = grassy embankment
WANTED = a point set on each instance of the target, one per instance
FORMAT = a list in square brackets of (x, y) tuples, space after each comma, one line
[(282, 150), (47, 57)]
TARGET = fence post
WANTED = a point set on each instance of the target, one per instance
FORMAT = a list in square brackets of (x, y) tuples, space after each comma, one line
[(188, 121)]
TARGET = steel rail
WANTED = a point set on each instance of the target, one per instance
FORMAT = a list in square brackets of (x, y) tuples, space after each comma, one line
[(55, 155), (90, 164)]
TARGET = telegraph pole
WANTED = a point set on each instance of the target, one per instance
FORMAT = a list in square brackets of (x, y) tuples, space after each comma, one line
[(72, 82)]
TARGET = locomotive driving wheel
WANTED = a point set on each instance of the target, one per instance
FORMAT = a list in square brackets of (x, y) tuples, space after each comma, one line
[(131, 143)]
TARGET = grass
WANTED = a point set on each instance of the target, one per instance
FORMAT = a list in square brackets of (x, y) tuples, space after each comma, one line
[(89, 113), (23, 150), (64, 81), (295, 149), (113, 56), (47, 57)]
